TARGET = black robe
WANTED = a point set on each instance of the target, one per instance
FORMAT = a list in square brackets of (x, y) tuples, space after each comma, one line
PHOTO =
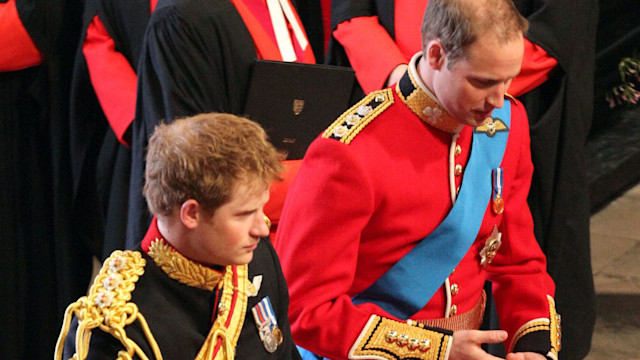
[(101, 164), (180, 316), (42, 270), (196, 58), (560, 115)]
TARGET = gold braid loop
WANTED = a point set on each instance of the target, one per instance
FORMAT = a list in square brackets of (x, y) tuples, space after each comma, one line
[(107, 308)]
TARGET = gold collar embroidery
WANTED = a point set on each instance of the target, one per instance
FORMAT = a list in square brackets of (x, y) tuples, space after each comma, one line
[(412, 92), (182, 269)]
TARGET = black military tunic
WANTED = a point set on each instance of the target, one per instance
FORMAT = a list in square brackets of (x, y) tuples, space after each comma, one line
[(183, 313)]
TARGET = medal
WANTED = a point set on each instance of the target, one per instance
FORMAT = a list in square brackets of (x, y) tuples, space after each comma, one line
[(491, 247), (497, 205), (267, 325), (270, 342)]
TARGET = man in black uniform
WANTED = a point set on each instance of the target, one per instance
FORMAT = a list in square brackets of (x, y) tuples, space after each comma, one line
[(186, 291)]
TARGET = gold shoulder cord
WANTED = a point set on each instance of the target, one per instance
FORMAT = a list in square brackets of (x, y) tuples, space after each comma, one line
[(107, 307), (231, 313)]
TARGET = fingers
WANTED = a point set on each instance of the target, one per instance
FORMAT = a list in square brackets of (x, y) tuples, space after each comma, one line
[(525, 356), (489, 336), (467, 344)]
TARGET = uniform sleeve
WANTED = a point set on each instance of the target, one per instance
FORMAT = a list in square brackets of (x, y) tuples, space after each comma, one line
[(18, 50), (536, 67), (319, 235), (523, 290), (361, 37), (112, 78)]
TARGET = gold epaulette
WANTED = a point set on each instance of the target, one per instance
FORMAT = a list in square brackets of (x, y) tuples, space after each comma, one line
[(107, 308), (352, 121), (383, 338), (551, 325)]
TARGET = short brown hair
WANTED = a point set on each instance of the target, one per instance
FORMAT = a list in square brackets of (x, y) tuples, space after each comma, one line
[(458, 23), (203, 157)]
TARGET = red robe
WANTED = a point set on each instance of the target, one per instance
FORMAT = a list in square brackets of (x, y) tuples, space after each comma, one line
[(354, 210)]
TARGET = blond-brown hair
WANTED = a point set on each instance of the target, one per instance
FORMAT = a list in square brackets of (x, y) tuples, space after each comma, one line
[(458, 23), (203, 157)]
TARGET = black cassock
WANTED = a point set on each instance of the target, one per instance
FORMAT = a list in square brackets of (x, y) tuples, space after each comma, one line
[(560, 116), (101, 165), (42, 268), (201, 64)]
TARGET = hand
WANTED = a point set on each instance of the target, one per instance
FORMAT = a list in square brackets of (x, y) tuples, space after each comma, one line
[(467, 344), (525, 356), (396, 74)]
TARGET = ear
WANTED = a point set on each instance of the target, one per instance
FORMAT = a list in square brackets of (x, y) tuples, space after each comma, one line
[(190, 213), (435, 54)]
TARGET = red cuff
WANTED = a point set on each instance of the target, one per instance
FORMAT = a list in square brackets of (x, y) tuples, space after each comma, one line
[(536, 67), (113, 78), (18, 50)]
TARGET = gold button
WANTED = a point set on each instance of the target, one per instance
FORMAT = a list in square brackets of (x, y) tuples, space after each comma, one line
[(458, 169), (453, 311), (457, 151), (454, 289)]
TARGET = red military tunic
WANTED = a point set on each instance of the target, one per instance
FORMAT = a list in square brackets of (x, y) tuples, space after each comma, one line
[(363, 200)]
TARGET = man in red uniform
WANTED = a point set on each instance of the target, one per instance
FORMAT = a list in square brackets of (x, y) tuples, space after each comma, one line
[(415, 197)]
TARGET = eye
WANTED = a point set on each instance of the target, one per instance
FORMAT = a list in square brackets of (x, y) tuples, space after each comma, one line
[(482, 83)]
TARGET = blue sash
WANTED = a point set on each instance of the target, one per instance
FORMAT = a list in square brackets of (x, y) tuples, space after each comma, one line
[(411, 282)]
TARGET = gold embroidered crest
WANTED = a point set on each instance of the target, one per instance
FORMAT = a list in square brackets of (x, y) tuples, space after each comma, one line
[(492, 126)]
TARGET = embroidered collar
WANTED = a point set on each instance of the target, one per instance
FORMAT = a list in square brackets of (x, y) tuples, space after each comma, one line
[(422, 102), (176, 265)]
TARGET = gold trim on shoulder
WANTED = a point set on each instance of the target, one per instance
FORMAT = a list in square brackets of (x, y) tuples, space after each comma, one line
[(551, 325), (511, 97), (352, 121), (231, 313), (383, 338), (107, 307), (182, 269)]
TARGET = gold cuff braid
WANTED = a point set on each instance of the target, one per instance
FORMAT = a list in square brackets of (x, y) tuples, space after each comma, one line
[(552, 325), (383, 338)]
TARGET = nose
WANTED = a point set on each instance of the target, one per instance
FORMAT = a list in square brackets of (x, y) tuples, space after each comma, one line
[(260, 227), (496, 96)]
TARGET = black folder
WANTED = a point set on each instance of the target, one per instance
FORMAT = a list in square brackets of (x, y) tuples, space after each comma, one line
[(295, 102)]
